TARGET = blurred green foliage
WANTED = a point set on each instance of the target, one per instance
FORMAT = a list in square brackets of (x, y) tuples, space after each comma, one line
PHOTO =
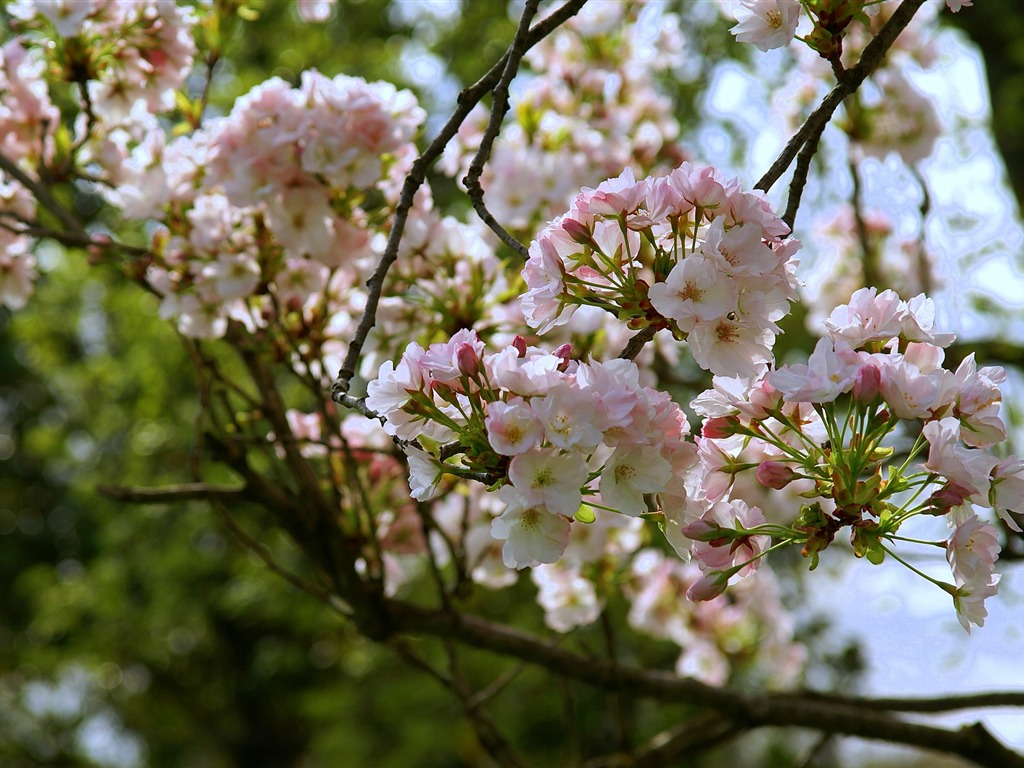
[(150, 625)]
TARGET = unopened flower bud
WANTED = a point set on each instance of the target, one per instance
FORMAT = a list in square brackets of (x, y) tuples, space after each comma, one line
[(708, 587), (564, 352), (867, 385), (948, 497), (702, 530), (720, 427), (578, 231), (467, 359), (520, 344), (774, 474)]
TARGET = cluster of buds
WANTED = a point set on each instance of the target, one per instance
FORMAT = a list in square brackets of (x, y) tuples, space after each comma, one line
[(872, 432), (555, 438), (689, 252)]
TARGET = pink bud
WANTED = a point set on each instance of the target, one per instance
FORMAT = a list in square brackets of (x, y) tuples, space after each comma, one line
[(720, 427), (867, 384), (578, 231), (564, 352), (774, 474), (520, 344), (467, 359), (949, 496), (702, 530), (708, 587)]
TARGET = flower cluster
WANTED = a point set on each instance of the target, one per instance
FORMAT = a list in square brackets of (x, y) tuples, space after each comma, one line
[(264, 209), (557, 438), (689, 251), (847, 427), (593, 109), (123, 52)]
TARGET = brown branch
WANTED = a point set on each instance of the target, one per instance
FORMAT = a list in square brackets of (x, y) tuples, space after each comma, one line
[(42, 194), (695, 735), (854, 717), (468, 99), (870, 272), (499, 108), (872, 56), (637, 343), (171, 493), (799, 180), (483, 724)]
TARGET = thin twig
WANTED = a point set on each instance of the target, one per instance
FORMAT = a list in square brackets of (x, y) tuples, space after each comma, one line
[(43, 195), (637, 342), (872, 56), (499, 108), (468, 99), (799, 180)]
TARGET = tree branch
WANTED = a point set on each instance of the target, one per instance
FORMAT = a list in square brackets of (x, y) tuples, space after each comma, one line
[(171, 493), (872, 56), (499, 109), (853, 717)]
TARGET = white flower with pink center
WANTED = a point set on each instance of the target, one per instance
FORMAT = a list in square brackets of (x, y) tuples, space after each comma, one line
[(629, 474), (732, 346), (767, 24), (568, 417), (695, 290), (424, 474), (547, 478), (972, 551), (512, 427), (969, 601), (568, 599)]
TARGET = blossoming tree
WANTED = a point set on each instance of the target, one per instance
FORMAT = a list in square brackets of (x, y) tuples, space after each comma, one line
[(441, 354)]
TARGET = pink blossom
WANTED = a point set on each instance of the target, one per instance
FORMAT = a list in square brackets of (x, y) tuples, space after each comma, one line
[(513, 427), (613, 197), (912, 394), (977, 403), (732, 551), (968, 467), (739, 250), (828, 374), (774, 474), (694, 290), (869, 316), (972, 551)]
